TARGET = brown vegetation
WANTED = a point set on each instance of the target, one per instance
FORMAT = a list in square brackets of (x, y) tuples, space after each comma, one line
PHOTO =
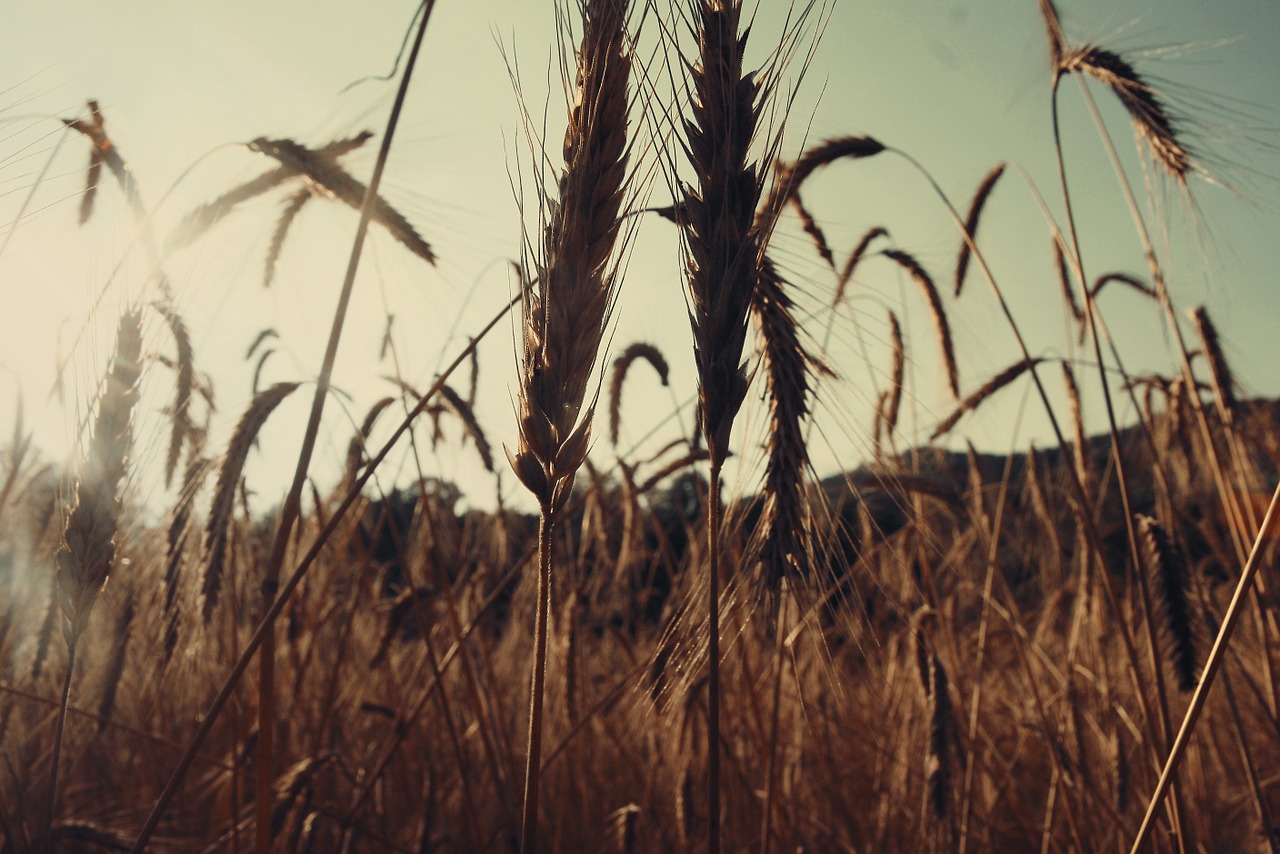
[(933, 651)]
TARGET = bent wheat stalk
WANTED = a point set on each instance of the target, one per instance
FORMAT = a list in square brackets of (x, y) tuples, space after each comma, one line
[(293, 501)]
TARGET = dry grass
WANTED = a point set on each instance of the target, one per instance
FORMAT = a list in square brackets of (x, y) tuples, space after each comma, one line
[(945, 657)]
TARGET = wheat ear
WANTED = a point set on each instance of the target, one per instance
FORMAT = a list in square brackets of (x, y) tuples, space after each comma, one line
[(1064, 282), (87, 553), (971, 223), (224, 493), (176, 541), (940, 324), (565, 316), (1219, 371), (1152, 121), (987, 389), (1169, 566), (88, 543), (184, 369), (356, 447), (324, 175), (723, 250), (621, 366), (897, 376), (855, 257), (288, 214), (1040, 505), (1081, 444), (826, 153), (785, 515)]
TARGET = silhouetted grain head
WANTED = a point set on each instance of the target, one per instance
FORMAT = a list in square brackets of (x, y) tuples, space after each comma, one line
[(116, 659), (826, 153), (1064, 283), (323, 175), (814, 230), (718, 217), (1125, 279), (938, 760), (95, 129), (176, 538), (459, 407), (566, 311), (1051, 568)]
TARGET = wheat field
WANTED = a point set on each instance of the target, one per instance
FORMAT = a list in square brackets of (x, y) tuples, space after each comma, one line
[(709, 635)]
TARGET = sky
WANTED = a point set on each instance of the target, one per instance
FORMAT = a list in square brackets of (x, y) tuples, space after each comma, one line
[(958, 86)]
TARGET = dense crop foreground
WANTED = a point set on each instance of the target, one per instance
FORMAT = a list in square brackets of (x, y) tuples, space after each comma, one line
[(1071, 648)]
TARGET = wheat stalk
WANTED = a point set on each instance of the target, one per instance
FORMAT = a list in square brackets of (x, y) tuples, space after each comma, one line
[(565, 316), (723, 249), (87, 552)]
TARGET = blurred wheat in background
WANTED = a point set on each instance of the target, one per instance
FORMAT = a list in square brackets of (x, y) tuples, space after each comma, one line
[(908, 540)]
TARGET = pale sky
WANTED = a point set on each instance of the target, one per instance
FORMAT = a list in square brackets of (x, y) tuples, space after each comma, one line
[(959, 86)]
